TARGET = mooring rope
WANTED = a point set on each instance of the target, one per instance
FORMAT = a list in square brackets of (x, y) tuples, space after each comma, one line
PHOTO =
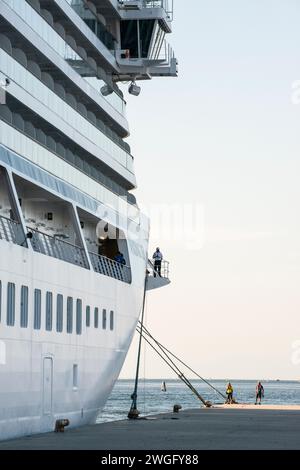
[(133, 412), (183, 363), (175, 368), (145, 358)]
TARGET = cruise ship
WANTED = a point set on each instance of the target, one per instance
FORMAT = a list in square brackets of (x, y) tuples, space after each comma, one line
[(73, 243)]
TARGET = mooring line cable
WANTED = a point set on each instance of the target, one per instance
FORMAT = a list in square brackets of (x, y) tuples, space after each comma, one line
[(153, 347), (183, 363), (175, 369), (145, 350), (133, 412)]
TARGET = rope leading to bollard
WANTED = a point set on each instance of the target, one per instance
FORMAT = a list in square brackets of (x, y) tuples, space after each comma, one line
[(165, 354), (134, 412), (147, 332)]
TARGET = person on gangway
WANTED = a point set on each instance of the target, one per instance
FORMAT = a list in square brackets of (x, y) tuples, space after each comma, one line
[(158, 257)]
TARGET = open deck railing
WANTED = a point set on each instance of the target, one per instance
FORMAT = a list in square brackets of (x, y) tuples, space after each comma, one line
[(165, 269), (111, 268), (58, 248), (167, 5), (11, 231)]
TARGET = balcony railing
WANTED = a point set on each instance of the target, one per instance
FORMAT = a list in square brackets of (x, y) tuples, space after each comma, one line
[(11, 231), (111, 268), (164, 270), (167, 5), (58, 248)]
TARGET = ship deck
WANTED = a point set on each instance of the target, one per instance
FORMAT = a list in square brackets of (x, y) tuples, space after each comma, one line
[(234, 427)]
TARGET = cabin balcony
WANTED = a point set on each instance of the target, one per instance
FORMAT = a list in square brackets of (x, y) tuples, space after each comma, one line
[(56, 247), (11, 231), (105, 244), (53, 228), (111, 268)]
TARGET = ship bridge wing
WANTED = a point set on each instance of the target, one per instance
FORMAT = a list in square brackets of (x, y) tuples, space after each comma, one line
[(157, 280), (144, 52)]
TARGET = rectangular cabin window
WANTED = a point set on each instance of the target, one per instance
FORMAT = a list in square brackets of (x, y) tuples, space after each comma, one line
[(70, 315), (79, 317), (59, 313), (49, 310), (104, 319), (11, 304), (96, 319), (24, 307), (37, 309), (88, 316), (111, 320), (75, 376)]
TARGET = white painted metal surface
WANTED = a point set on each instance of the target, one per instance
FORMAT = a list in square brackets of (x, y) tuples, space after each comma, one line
[(64, 168)]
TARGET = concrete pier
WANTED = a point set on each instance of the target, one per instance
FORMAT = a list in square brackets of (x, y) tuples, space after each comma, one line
[(224, 427)]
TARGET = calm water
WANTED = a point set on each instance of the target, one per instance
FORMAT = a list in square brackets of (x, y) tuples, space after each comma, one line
[(152, 400)]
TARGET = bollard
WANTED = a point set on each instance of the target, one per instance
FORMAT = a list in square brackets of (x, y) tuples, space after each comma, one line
[(176, 408), (60, 425)]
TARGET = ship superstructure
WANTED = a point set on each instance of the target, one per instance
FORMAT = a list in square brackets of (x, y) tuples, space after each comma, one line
[(69, 304)]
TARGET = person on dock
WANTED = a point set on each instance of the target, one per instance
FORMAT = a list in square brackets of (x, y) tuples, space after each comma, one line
[(260, 392), (229, 393), (158, 257)]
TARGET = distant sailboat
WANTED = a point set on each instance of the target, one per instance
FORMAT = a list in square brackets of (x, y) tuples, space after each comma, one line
[(163, 387)]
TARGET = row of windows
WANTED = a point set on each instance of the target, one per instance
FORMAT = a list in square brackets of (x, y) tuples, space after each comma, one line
[(55, 36), (72, 324), (58, 143)]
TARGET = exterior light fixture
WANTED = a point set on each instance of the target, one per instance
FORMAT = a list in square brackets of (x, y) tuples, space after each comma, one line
[(106, 90), (134, 89)]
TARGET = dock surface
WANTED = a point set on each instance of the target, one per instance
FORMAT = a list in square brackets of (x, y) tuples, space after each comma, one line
[(232, 427)]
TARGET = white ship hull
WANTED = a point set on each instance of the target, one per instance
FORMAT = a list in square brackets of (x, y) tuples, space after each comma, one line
[(36, 373), (73, 242)]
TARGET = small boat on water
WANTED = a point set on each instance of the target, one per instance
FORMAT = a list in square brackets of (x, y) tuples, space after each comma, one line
[(163, 387)]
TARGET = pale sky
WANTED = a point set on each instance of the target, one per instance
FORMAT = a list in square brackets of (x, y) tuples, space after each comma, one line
[(225, 137)]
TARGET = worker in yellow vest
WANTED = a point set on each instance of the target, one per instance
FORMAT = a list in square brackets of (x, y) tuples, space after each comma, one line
[(229, 393)]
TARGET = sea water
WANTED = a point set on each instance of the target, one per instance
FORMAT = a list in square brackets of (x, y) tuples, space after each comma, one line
[(152, 400)]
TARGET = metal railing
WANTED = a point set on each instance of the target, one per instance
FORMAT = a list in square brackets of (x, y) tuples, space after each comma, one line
[(167, 5), (81, 6), (57, 248), (11, 231), (111, 268), (164, 270)]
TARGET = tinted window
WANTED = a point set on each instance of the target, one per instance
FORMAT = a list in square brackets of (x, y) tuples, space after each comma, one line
[(24, 307), (129, 37), (59, 313), (37, 309), (88, 316), (79, 317), (11, 307), (70, 315), (111, 320), (49, 308), (96, 322), (104, 319), (146, 30)]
